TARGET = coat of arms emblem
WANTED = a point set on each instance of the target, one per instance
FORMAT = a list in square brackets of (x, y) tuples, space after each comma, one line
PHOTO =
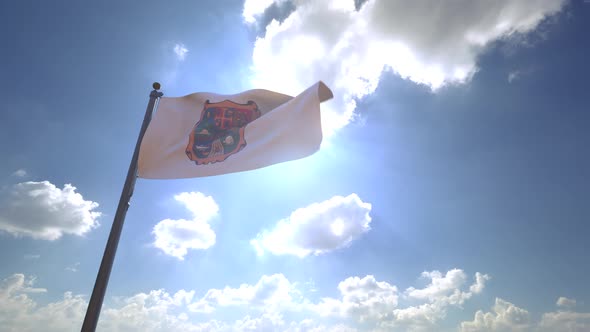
[(220, 131)]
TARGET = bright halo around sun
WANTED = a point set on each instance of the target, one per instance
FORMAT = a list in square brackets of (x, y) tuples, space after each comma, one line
[(337, 227)]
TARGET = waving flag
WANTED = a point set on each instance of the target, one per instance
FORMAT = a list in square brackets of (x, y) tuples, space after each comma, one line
[(204, 134)]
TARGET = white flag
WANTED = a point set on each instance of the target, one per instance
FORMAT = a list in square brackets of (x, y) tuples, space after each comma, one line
[(204, 134)]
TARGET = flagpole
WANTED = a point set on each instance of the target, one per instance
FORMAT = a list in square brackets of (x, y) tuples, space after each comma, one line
[(102, 278)]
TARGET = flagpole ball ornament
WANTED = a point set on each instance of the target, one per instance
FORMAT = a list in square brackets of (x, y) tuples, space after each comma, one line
[(156, 86)]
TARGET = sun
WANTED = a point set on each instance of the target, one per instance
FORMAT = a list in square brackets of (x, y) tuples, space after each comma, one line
[(337, 227)]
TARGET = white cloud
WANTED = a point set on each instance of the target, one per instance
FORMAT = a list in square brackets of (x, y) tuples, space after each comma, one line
[(439, 285), (254, 8), (20, 173), (32, 256), (154, 311), (513, 75), (275, 322), (505, 316), (565, 321), (17, 284), (173, 55), (428, 43), (374, 305), (364, 298), (442, 292), (266, 322), (14, 301), (73, 268), (318, 228), (63, 315), (447, 286), (42, 211), (141, 312), (480, 281), (202, 207), (265, 305), (564, 302), (518, 74), (180, 50), (270, 291), (176, 236), (377, 303)]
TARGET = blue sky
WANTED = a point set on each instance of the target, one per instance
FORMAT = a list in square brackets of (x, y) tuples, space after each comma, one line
[(457, 136)]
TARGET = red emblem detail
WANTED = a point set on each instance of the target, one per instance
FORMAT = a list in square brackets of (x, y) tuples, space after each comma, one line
[(220, 131)]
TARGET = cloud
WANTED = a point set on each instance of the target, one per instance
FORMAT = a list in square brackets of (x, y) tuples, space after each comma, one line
[(318, 228), (42, 211), (154, 311), (431, 44), (377, 303), (565, 321), (265, 304), (442, 286), (564, 302), (259, 13), (480, 281), (14, 301), (172, 56), (176, 236), (254, 8), (141, 312), (73, 268), (504, 316), (32, 256), (270, 291), (276, 322), (363, 303), (20, 173), (202, 207), (364, 298), (180, 50), (442, 292), (518, 74), (513, 75), (18, 284)]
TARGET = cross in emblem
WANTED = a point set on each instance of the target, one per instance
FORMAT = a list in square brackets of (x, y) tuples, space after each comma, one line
[(225, 118)]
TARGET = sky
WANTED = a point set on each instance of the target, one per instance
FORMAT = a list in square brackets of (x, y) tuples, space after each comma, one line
[(449, 194)]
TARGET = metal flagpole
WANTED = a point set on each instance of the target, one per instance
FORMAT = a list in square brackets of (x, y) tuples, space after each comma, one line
[(102, 278)]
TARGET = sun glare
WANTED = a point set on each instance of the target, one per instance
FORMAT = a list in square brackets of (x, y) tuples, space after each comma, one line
[(337, 227)]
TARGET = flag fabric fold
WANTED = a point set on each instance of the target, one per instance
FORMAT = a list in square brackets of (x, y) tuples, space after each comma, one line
[(205, 134)]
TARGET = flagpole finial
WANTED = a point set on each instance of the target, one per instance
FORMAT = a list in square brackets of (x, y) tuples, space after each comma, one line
[(156, 86)]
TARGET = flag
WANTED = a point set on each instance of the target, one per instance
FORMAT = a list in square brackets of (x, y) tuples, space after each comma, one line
[(205, 134)]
